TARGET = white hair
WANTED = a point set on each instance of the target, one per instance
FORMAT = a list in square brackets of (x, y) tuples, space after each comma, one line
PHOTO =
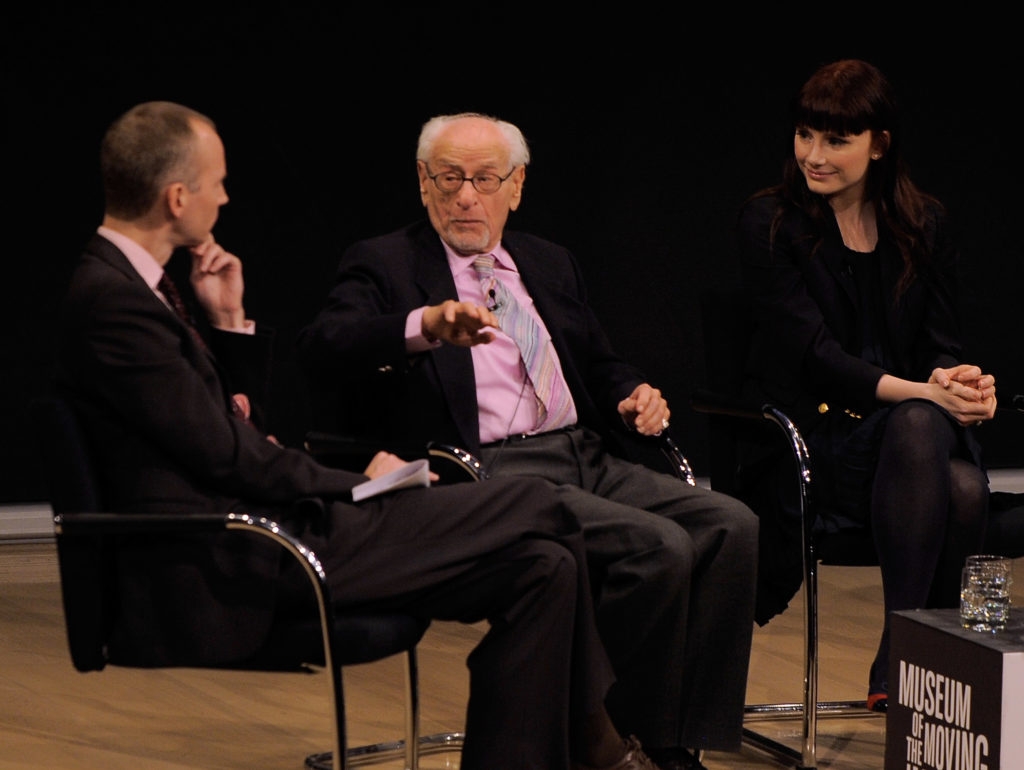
[(519, 151)]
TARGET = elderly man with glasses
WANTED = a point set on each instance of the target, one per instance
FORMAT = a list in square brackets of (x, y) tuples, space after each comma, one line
[(543, 394)]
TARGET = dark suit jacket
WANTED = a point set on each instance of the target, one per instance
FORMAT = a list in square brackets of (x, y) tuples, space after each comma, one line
[(156, 408), (805, 348), (354, 350)]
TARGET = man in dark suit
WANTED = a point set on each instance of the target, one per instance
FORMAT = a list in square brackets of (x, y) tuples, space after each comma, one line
[(406, 344), (170, 417)]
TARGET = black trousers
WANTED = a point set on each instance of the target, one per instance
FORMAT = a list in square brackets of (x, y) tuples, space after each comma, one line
[(509, 552)]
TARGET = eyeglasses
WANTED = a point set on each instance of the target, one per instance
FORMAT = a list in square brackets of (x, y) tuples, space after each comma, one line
[(452, 181)]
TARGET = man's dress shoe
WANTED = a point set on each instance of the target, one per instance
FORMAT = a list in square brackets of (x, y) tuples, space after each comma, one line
[(634, 759)]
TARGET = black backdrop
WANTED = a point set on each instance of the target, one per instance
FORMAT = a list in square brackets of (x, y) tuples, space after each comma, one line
[(646, 136)]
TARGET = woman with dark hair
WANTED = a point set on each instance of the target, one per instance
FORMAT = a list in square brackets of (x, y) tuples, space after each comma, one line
[(852, 278)]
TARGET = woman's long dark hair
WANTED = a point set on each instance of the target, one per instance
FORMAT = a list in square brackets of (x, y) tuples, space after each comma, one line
[(851, 96)]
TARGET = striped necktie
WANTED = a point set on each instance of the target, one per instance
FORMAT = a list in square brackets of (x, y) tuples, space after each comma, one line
[(554, 402)]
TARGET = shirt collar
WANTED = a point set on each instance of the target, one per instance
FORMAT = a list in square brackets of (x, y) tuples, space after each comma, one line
[(143, 262), (459, 264)]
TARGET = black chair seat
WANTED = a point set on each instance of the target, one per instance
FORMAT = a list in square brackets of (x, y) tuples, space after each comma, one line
[(358, 638)]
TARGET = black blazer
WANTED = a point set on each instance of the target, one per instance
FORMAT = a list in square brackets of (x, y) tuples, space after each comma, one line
[(805, 345), (354, 349), (156, 408)]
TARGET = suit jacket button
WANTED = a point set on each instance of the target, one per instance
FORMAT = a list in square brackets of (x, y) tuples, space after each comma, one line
[(822, 408)]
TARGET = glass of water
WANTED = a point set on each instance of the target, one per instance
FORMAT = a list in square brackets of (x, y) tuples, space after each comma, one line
[(985, 592)]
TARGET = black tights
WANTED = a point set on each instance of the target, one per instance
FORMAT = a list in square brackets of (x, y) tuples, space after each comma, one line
[(928, 512)]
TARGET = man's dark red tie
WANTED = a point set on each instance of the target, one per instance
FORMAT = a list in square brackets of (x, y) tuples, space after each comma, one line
[(170, 291), (239, 401)]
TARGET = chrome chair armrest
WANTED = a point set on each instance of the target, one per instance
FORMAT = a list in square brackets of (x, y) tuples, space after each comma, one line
[(451, 463), (460, 465), (677, 460)]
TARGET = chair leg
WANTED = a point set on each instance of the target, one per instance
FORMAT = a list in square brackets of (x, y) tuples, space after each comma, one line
[(810, 736), (416, 745), (811, 709), (409, 749), (807, 757), (412, 711)]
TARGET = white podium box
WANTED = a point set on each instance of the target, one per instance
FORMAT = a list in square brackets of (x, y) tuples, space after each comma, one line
[(956, 697)]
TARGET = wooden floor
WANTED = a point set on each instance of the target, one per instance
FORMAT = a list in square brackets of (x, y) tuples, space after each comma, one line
[(172, 719)]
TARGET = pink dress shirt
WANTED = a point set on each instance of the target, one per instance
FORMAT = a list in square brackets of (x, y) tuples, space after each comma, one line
[(505, 396)]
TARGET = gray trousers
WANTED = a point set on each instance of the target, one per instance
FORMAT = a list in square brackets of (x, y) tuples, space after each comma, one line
[(673, 569)]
